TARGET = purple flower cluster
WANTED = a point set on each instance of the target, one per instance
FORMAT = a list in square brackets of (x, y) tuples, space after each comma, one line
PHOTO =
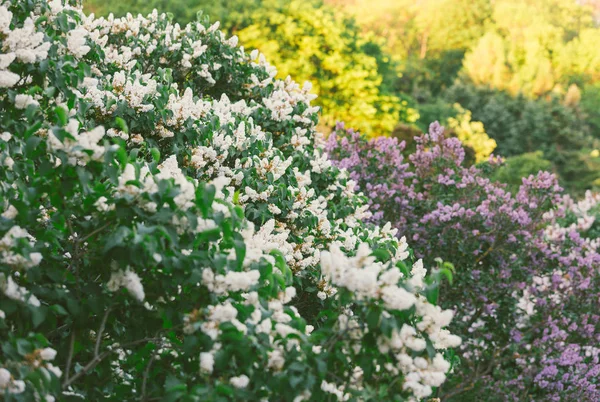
[(526, 292), (381, 157)]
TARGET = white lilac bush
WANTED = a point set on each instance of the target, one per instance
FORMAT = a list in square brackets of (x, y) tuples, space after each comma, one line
[(171, 228)]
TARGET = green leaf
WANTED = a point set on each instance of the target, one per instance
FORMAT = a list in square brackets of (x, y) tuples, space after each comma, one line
[(448, 274), (373, 318), (295, 380), (24, 347), (382, 254), (122, 157), (122, 125), (224, 389), (117, 239), (174, 389), (73, 307), (39, 21), (155, 154), (432, 294), (32, 144), (38, 315), (240, 252), (58, 309), (62, 116)]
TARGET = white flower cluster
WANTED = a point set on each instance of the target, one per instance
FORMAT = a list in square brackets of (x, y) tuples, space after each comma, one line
[(273, 321), (584, 212), (23, 101), (76, 42), (8, 243), (169, 169), (9, 384), (129, 280), (231, 282), (366, 278), (333, 389), (15, 292), (132, 89), (556, 286), (24, 44), (82, 147), (43, 358), (266, 239), (433, 323), (371, 280), (241, 381), (39, 358), (421, 373)]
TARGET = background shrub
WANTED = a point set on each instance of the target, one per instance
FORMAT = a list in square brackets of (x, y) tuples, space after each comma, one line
[(524, 292)]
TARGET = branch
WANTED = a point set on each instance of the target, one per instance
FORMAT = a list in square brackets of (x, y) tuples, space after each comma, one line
[(482, 256), (97, 359), (70, 358), (101, 331), (87, 367), (461, 389), (101, 228), (143, 398)]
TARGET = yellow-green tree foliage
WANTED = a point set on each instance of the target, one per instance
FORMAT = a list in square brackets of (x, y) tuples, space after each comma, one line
[(486, 63), (421, 28), (536, 47), (471, 133), (324, 47)]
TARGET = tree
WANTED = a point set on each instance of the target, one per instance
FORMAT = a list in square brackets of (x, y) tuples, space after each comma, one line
[(515, 168), (424, 28), (313, 44), (535, 47), (521, 125)]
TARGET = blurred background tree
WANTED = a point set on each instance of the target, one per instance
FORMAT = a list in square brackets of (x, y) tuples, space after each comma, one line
[(328, 49), (519, 166)]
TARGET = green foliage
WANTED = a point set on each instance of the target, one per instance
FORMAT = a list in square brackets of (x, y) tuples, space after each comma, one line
[(590, 104), (524, 165), (533, 52), (436, 110), (471, 133), (522, 125), (421, 29), (426, 79), (428, 38)]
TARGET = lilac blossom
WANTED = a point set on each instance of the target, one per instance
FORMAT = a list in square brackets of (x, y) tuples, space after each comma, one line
[(526, 285)]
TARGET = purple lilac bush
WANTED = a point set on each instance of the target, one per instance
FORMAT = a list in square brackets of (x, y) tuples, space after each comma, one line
[(526, 280)]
